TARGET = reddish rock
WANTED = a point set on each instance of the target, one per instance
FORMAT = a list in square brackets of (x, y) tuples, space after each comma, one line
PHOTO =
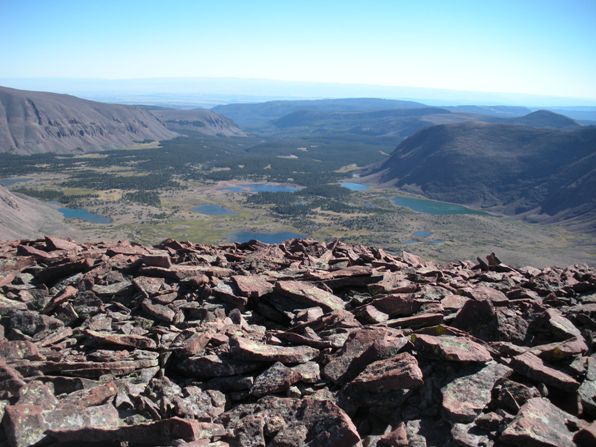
[(540, 423), (395, 438), (417, 321), (531, 366), (397, 305), (159, 312), (252, 286), (457, 349), (245, 349), (124, 341), (396, 373), (463, 405), (68, 293), (157, 260), (275, 379), (483, 293), (299, 294), (54, 243), (357, 352)]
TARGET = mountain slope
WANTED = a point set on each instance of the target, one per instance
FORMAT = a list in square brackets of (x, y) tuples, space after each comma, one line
[(24, 217), (544, 119), (203, 121), (256, 116), (36, 122), (544, 174)]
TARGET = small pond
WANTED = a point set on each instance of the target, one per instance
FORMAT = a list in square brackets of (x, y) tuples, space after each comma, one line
[(13, 180), (212, 209), (82, 214), (262, 187), (354, 186), (433, 206)]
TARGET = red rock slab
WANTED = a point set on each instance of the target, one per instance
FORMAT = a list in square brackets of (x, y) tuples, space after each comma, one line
[(155, 433), (453, 302), (553, 352), (275, 379), (540, 423), (393, 282), (457, 349), (532, 366), (396, 373), (27, 250), (28, 424), (19, 350), (483, 293), (158, 312), (124, 341), (57, 301), (417, 321), (397, 305), (55, 243), (355, 354), (6, 279), (148, 286), (252, 286), (397, 437), (125, 249), (562, 327), (465, 397), (157, 260), (305, 294), (246, 349)]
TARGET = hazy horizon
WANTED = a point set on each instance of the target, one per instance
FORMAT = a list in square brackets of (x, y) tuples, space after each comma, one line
[(506, 50), (214, 91)]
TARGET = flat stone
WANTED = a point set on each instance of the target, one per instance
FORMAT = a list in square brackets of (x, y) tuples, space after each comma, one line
[(158, 312), (246, 349), (356, 353), (532, 366), (303, 295), (124, 341), (275, 379), (483, 293), (461, 403), (587, 390), (457, 349), (397, 305), (540, 423), (252, 286), (212, 366), (55, 243), (396, 373)]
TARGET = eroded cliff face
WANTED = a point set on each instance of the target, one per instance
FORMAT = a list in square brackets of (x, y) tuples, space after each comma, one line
[(301, 343), (25, 217), (38, 122)]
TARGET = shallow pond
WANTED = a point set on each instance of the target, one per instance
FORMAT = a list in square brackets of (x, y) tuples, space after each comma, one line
[(262, 187), (268, 238), (82, 214), (354, 186), (212, 209), (433, 206), (13, 180)]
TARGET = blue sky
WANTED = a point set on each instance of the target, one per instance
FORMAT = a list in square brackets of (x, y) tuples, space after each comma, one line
[(545, 47)]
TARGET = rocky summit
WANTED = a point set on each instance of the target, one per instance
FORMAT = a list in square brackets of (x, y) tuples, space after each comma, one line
[(301, 343)]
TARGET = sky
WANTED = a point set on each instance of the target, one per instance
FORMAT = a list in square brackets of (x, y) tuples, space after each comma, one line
[(540, 47)]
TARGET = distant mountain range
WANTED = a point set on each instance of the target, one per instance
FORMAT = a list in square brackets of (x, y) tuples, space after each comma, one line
[(543, 170), (37, 122)]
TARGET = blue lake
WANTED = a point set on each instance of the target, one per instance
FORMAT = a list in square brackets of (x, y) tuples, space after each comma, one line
[(354, 186), (12, 181), (212, 209), (79, 213), (433, 206), (268, 238), (262, 187)]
